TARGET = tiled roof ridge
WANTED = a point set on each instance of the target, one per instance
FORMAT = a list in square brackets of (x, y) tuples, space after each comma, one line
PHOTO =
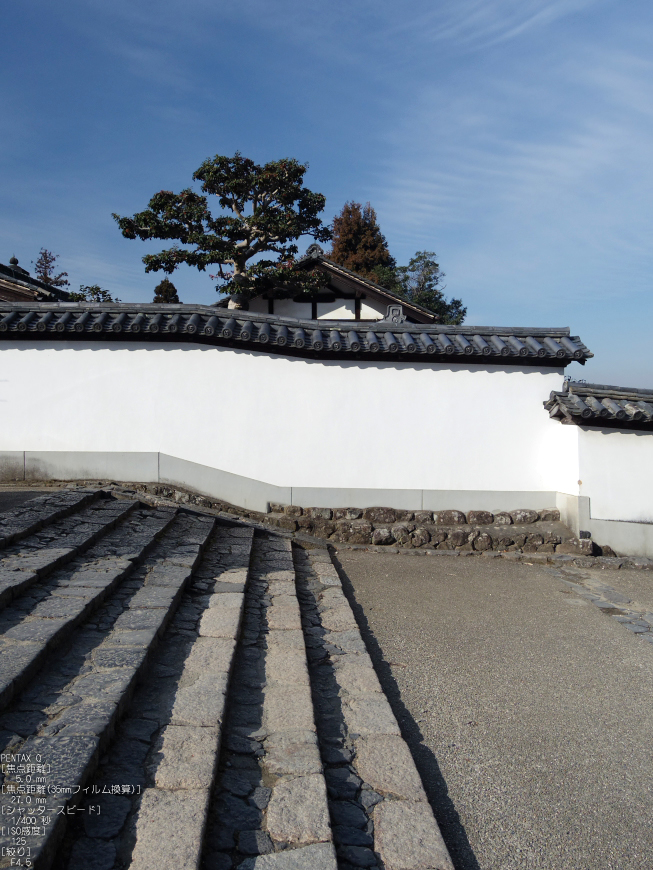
[(377, 287), (24, 279), (602, 405), (333, 338)]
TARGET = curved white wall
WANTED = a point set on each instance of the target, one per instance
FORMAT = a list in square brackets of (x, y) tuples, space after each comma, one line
[(291, 422)]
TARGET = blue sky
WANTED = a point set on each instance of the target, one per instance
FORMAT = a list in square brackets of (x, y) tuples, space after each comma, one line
[(512, 137)]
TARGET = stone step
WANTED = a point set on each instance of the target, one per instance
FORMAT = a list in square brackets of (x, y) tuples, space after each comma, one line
[(269, 808), (379, 810), (42, 510), (71, 595), (66, 718), (38, 555)]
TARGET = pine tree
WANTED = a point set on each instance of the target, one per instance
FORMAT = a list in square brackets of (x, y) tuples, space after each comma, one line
[(44, 268), (165, 292), (358, 243)]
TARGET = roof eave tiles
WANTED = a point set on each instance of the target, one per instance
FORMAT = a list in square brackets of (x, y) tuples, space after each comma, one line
[(601, 405), (278, 335)]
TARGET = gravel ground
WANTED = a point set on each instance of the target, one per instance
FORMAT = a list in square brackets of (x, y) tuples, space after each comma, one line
[(526, 708)]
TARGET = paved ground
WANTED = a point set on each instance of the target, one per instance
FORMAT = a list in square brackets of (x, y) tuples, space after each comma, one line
[(13, 498), (527, 709)]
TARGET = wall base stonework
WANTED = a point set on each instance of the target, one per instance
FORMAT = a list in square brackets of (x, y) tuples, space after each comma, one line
[(350, 505)]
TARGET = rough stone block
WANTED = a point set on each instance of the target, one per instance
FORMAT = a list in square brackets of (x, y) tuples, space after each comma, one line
[(220, 622), (406, 837), (382, 537), (550, 515), (293, 510), (285, 666), (385, 763), (169, 829), (288, 640), (482, 542), (298, 813), (480, 518), (286, 708), (420, 538), (449, 518), (347, 513), (422, 517), (502, 518), (369, 715), (319, 513), (284, 614), (319, 856), (200, 700), (521, 517), (380, 515), (357, 679), (292, 753), (339, 619), (186, 757)]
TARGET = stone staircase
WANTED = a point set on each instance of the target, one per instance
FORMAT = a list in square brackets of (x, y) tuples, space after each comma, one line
[(182, 691)]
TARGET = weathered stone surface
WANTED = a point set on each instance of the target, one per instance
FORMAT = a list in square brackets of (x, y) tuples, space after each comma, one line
[(297, 812), (210, 655), (292, 639), (323, 528), (502, 518), (421, 517), (109, 821), (319, 513), (348, 641), (357, 679), (292, 753), (369, 715), (382, 536), (449, 518), (285, 666), (401, 534), (575, 547), (293, 510), (169, 829), (284, 614), (406, 837), (342, 783), (420, 537), (550, 515), (220, 622), (380, 515), (200, 699), (482, 542), (287, 523), (480, 518), (255, 843), (385, 762), (339, 618), (286, 708), (354, 531), (347, 513), (521, 517), (458, 537), (319, 856), (185, 757)]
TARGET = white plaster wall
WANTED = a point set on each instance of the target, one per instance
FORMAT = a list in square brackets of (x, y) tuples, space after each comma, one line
[(339, 309), (291, 422), (372, 310), (289, 308), (616, 469)]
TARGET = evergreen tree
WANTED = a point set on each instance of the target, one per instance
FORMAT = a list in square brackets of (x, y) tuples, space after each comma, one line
[(419, 283), (262, 209), (44, 268), (358, 243), (91, 293), (165, 292)]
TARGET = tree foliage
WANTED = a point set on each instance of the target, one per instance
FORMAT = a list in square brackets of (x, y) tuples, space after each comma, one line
[(358, 243), (263, 210), (91, 293), (45, 269), (165, 291), (419, 281)]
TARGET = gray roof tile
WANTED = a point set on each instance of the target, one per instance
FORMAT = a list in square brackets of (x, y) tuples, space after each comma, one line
[(274, 334), (602, 405)]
